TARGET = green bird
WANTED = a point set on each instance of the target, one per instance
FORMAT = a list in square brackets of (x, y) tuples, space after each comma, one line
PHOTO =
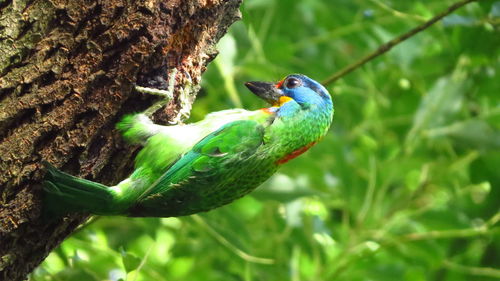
[(187, 169)]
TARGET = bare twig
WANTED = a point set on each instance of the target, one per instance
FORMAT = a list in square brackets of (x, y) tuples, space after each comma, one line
[(389, 45), (365, 248), (472, 270), (221, 239), (397, 13), (446, 234)]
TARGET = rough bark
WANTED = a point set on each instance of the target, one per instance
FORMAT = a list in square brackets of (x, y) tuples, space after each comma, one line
[(67, 70)]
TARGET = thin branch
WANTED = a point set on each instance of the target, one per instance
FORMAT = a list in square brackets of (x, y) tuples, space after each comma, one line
[(369, 196), (397, 13), (472, 270), (353, 253), (143, 261), (446, 234), (221, 239), (493, 220), (389, 45)]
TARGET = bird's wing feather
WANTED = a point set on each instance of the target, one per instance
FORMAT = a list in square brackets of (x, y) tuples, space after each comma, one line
[(236, 139), (164, 145)]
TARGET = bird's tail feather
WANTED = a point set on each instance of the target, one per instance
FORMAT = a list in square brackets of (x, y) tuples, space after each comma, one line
[(66, 194)]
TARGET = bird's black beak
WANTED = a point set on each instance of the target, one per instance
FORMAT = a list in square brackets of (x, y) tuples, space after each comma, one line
[(266, 91)]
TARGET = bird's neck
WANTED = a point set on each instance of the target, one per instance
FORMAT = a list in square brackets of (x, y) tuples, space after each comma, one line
[(296, 128)]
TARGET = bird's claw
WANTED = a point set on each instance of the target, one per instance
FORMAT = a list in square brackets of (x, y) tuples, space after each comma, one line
[(185, 96), (167, 95)]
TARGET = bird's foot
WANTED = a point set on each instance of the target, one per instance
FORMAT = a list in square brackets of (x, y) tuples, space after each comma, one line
[(167, 95), (186, 96)]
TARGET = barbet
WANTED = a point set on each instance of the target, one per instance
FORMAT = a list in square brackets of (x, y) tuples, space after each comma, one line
[(186, 169)]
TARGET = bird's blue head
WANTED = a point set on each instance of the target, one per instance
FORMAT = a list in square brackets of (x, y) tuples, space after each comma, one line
[(296, 87)]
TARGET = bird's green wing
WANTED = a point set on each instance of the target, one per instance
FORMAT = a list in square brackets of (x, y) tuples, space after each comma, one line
[(235, 140), (164, 145)]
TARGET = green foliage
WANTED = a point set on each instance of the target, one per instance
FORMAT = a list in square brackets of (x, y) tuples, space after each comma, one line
[(404, 187)]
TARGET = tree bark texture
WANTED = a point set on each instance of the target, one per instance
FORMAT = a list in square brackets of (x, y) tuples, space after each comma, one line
[(67, 70)]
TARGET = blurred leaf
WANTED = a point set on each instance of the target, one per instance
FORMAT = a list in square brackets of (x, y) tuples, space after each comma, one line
[(181, 266), (471, 133), (130, 261), (455, 19), (283, 189), (495, 10), (225, 64), (442, 102), (479, 192)]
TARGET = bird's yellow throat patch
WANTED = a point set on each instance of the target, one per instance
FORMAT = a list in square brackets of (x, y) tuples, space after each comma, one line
[(282, 100)]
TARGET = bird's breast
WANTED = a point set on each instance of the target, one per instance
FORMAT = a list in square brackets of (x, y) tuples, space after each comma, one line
[(295, 153)]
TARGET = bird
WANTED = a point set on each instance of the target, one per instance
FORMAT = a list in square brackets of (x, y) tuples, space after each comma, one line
[(191, 168)]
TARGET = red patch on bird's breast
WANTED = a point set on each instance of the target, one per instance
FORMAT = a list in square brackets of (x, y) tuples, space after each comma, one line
[(295, 153), (266, 110)]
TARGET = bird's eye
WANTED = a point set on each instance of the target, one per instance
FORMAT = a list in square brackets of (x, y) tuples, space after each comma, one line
[(292, 83)]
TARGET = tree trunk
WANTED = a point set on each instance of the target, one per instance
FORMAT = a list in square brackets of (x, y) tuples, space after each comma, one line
[(67, 70)]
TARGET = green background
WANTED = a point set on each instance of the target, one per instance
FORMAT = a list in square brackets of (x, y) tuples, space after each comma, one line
[(405, 186)]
